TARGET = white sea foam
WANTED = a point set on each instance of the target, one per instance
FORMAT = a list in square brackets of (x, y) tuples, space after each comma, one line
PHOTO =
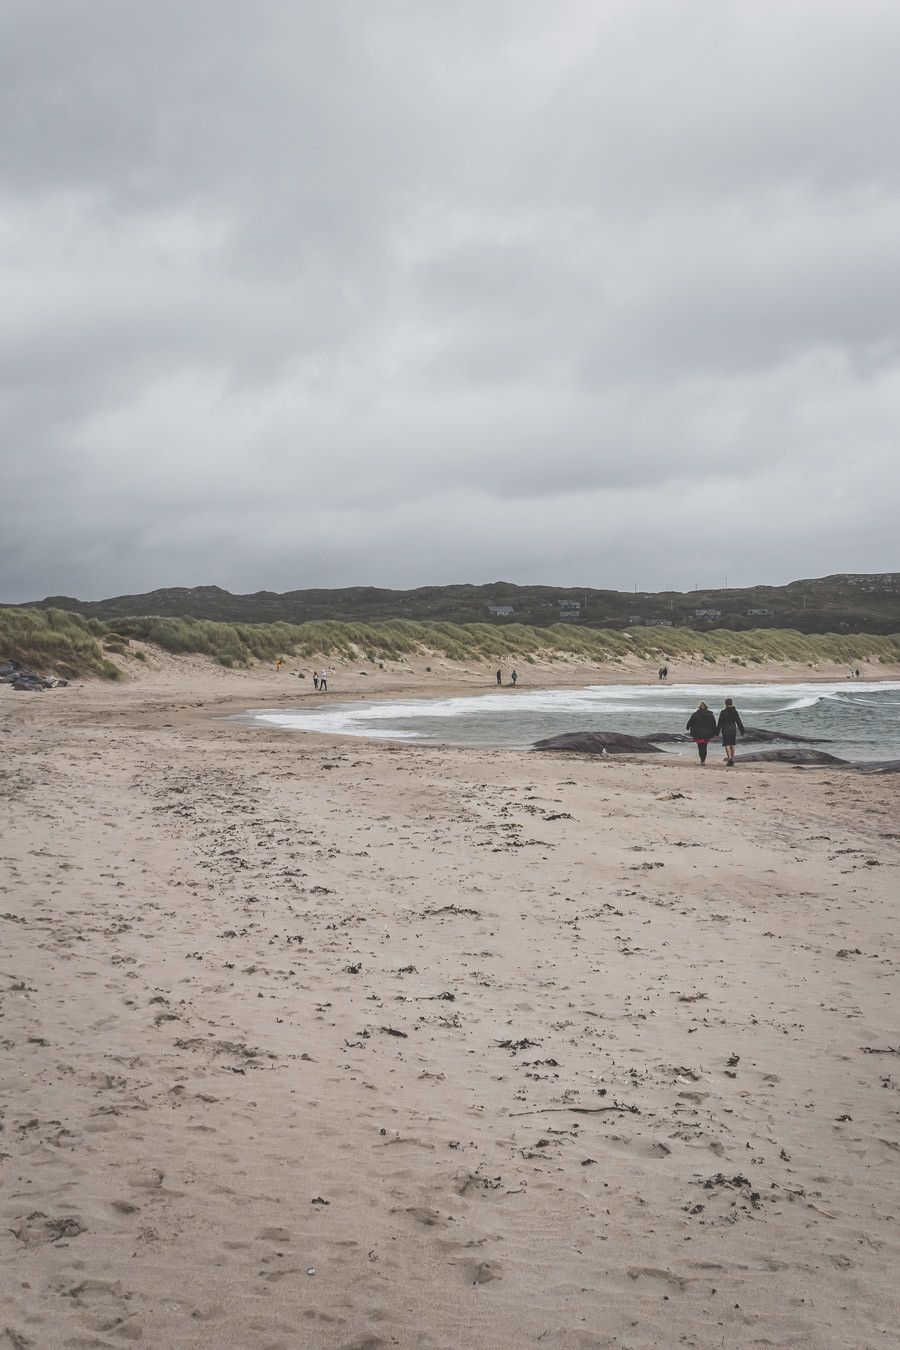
[(802, 703), (834, 711)]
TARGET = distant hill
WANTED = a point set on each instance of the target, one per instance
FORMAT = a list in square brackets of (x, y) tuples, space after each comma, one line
[(847, 603)]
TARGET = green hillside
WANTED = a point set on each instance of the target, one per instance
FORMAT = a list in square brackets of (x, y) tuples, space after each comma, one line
[(843, 604)]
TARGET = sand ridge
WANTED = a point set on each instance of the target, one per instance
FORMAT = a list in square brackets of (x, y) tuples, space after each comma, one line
[(329, 1043)]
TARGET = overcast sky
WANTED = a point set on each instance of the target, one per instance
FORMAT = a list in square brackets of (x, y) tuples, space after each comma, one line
[(402, 292)]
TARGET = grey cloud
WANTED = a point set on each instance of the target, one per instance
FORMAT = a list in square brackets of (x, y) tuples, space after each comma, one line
[(404, 292)]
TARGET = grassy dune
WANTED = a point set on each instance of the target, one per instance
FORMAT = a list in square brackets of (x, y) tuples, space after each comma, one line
[(55, 641), (68, 644)]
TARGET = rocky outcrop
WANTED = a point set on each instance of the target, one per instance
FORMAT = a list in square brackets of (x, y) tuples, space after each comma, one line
[(11, 673), (619, 743), (752, 736), (812, 757), (599, 743), (793, 755)]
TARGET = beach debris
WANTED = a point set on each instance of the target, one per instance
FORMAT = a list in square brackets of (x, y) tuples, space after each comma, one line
[(622, 1107), (394, 1031), (738, 1183), (450, 909), (38, 1228), (28, 681)]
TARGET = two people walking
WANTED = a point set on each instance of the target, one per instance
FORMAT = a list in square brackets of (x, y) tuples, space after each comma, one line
[(703, 726), (320, 680)]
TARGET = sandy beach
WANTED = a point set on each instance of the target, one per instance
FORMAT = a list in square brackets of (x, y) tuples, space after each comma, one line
[(331, 1043)]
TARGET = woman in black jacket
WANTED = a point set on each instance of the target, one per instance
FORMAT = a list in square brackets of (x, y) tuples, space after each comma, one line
[(702, 726)]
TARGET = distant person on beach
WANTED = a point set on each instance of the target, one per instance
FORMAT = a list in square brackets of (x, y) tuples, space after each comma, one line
[(315, 679), (278, 664), (323, 681), (663, 672), (728, 726), (499, 676), (701, 728), (514, 676)]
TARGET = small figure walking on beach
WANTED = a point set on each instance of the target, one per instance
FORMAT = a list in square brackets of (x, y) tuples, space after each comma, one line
[(701, 727), (499, 676), (315, 679), (514, 676), (663, 672), (728, 726), (323, 681)]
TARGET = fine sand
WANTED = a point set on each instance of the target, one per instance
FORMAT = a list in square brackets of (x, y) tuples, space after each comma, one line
[(332, 1043)]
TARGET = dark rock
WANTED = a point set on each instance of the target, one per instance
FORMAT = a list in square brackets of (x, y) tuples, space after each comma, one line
[(752, 736), (877, 766), (793, 756), (599, 743)]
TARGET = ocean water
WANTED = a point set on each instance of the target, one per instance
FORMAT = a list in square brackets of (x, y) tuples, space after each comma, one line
[(856, 719)]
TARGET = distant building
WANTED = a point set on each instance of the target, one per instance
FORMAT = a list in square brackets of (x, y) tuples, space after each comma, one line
[(501, 610), (707, 614), (765, 612), (572, 606)]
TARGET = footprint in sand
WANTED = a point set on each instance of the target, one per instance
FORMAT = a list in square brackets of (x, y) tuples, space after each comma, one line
[(650, 1278), (481, 1272), (430, 1218), (638, 1148), (36, 1229)]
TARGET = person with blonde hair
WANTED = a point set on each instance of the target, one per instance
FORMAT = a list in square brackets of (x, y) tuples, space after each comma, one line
[(701, 727)]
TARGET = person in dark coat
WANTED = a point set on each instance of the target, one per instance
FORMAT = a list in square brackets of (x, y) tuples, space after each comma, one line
[(499, 676), (702, 727), (728, 726)]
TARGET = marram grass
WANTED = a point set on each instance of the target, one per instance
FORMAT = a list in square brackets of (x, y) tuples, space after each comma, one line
[(55, 640)]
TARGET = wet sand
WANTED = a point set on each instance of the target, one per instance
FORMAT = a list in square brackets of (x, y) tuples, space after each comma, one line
[(331, 1043)]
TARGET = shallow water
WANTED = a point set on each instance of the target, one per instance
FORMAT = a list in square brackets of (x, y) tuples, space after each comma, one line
[(857, 720)]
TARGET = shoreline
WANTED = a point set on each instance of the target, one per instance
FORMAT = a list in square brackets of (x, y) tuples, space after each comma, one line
[(165, 680)]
